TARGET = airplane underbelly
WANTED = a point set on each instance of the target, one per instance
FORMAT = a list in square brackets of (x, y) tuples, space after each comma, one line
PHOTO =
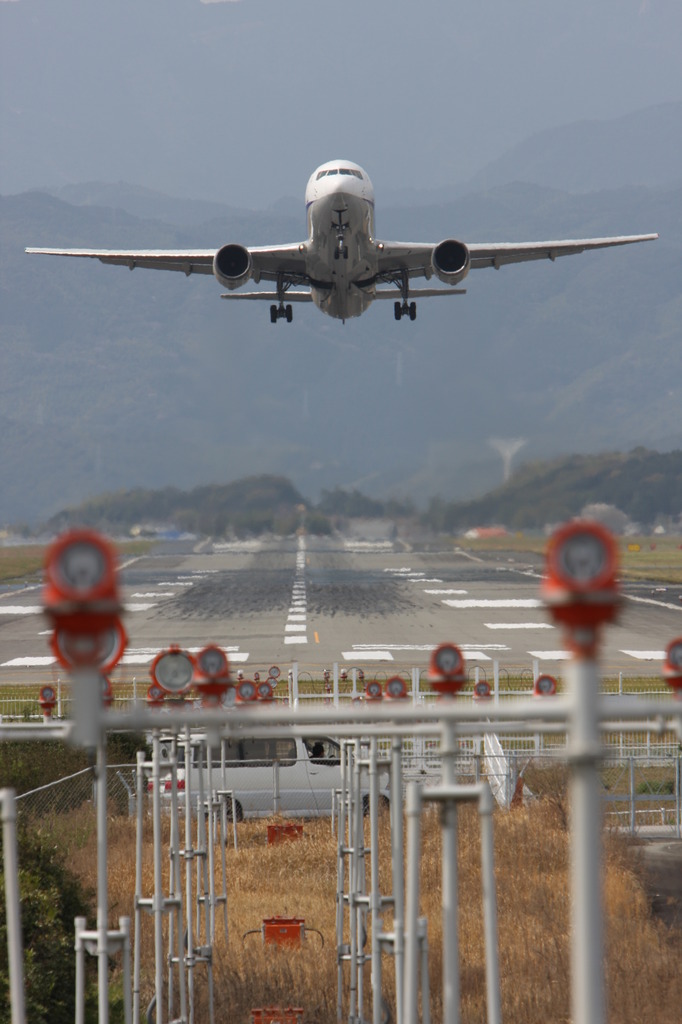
[(342, 254)]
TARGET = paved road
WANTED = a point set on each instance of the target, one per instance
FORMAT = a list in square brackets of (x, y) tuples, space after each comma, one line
[(318, 601)]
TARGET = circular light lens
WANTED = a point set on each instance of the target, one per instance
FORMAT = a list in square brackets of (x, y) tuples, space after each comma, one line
[(395, 687), (274, 672), (213, 662), (246, 690), (582, 557), (448, 660), (674, 655), (374, 689), (545, 684), (174, 671), (47, 693), (82, 566)]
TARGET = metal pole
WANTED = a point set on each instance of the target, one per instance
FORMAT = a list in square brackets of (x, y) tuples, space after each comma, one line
[(189, 856), (15, 954), (102, 888), (492, 966), (81, 924), (398, 870), (375, 901), (588, 1003), (413, 810), (138, 886), (450, 905), (157, 901)]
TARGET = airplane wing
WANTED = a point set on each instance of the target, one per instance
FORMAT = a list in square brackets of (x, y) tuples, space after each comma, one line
[(268, 261), (414, 258), (498, 254), (190, 261), (269, 296)]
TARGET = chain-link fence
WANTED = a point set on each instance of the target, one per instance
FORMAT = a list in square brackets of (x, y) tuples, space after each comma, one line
[(78, 790)]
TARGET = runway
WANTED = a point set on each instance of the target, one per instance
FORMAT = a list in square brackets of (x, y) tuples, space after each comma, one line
[(325, 600)]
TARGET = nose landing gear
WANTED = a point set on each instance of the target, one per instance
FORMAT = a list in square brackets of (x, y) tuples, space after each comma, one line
[(340, 228)]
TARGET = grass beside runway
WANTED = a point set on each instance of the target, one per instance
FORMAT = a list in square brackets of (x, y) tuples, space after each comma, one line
[(654, 558), (23, 563)]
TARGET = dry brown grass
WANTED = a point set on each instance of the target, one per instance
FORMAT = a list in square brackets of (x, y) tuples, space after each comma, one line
[(298, 879)]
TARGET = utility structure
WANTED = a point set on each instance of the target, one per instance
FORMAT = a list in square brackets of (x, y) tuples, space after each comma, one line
[(507, 448)]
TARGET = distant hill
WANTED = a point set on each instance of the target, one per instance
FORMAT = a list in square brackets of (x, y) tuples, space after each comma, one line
[(641, 148), (645, 485), (252, 505)]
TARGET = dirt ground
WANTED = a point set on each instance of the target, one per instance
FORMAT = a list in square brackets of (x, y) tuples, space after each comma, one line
[(661, 865)]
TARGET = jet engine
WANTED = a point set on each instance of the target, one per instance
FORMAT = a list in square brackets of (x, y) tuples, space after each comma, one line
[(233, 266), (451, 261)]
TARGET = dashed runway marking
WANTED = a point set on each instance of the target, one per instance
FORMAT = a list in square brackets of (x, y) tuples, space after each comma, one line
[(646, 655)]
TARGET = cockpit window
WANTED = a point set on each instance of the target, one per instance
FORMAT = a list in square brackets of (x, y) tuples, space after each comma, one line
[(340, 170)]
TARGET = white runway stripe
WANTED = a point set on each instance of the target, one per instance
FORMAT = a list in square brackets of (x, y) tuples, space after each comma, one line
[(428, 647), (646, 655), (133, 656), (551, 655), (29, 662), (295, 627), (444, 591), (20, 609), (376, 655), (160, 593), (295, 639), (518, 625), (511, 602)]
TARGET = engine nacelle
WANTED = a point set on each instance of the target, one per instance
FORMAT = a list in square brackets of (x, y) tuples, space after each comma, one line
[(450, 261), (233, 266)]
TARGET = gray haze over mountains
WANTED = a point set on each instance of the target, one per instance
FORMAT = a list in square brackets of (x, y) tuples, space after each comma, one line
[(187, 124)]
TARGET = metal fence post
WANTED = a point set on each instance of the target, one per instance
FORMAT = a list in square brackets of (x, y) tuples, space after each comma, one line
[(15, 954)]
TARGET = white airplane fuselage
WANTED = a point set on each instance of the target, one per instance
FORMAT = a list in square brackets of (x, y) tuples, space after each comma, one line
[(341, 251)]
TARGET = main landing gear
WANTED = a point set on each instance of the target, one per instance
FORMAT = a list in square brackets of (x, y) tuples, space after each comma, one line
[(404, 308), (401, 309), (281, 312)]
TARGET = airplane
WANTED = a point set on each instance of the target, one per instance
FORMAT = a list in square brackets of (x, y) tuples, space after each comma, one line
[(341, 266)]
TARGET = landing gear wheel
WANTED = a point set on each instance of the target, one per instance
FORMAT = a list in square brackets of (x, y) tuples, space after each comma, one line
[(289, 313), (273, 314), (397, 310), (413, 311)]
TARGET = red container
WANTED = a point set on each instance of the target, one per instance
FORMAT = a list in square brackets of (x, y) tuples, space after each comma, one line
[(284, 833), (283, 931)]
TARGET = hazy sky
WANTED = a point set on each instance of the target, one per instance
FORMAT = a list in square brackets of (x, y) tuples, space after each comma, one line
[(240, 100)]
